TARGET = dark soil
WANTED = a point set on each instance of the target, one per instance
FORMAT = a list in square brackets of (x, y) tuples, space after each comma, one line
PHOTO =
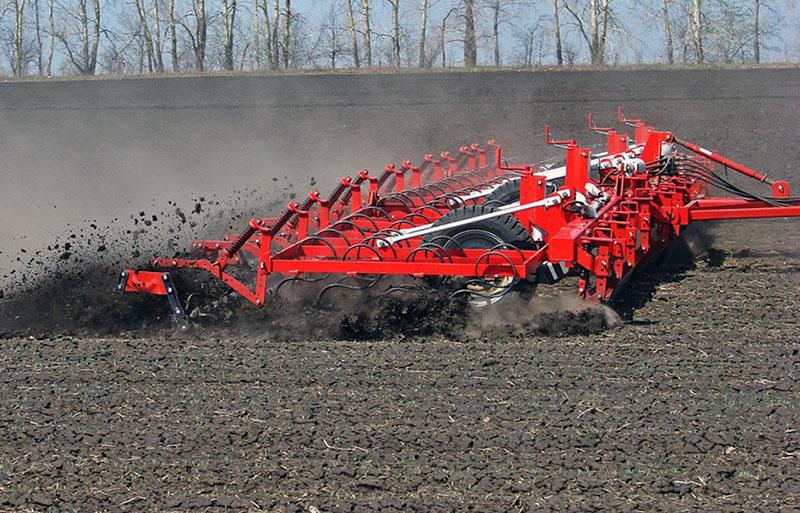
[(684, 399)]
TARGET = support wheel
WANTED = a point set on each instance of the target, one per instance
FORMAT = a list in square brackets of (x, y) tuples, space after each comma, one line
[(485, 234)]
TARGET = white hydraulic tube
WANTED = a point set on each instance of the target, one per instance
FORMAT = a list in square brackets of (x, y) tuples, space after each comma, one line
[(427, 229)]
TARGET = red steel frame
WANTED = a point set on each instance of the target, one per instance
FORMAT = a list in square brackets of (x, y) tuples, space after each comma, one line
[(366, 231)]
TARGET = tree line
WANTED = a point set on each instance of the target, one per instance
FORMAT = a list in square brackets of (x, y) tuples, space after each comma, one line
[(58, 37)]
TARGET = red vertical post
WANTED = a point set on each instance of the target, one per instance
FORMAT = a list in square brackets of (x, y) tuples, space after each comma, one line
[(355, 197), (652, 146), (399, 182), (616, 142), (531, 188), (642, 132), (451, 163), (324, 214), (264, 267), (481, 156), (577, 169)]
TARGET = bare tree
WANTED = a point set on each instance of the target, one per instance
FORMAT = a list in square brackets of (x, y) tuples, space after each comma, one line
[(287, 31), (228, 22), (596, 33), (148, 39), (366, 32), (395, 5), (531, 39), (442, 35), (39, 43), (270, 32), (728, 34), (173, 36), (495, 6), (423, 31), (19, 16), (667, 31), (696, 29), (557, 33), (470, 41), (276, 25), (256, 36), (157, 47), (500, 9), (52, 50), (330, 33), (756, 31), (198, 35), (351, 26), (84, 59)]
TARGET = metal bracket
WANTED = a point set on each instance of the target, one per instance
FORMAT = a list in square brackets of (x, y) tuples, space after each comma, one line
[(178, 313), (169, 290), (122, 280)]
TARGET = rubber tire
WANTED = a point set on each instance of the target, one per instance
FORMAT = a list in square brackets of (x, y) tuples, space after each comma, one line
[(505, 227), (507, 193)]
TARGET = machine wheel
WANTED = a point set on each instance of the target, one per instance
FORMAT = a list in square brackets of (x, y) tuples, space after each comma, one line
[(508, 192), (485, 234)]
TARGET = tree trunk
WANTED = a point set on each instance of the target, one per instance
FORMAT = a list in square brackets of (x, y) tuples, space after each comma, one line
[(333, 36), (287, 31), (697, 35), (228, 21), (470, 43), (557, 30), (84, 20), (593, 28), (423, 32), (365, 28), (351, 26), (157, 37), (39, 44), (148, 40), (395, 32), (19, 16), (276, 24), (756, 32), (267, 35), (442, 42), (201, 32), (95, 36), (256, 36), (667, 32), (173, 37), (52, 49), (601, 43), (496, 31)]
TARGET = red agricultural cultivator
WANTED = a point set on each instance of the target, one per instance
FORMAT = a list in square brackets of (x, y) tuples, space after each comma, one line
[(483, 224)]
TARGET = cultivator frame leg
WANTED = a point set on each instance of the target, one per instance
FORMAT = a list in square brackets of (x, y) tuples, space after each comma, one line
[(156, 283), (609, 214)]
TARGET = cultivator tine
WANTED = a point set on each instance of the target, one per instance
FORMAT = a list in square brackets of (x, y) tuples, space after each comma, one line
[(297, 279), (341, 285), (405, 287), (157, 283), (489, 225)]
